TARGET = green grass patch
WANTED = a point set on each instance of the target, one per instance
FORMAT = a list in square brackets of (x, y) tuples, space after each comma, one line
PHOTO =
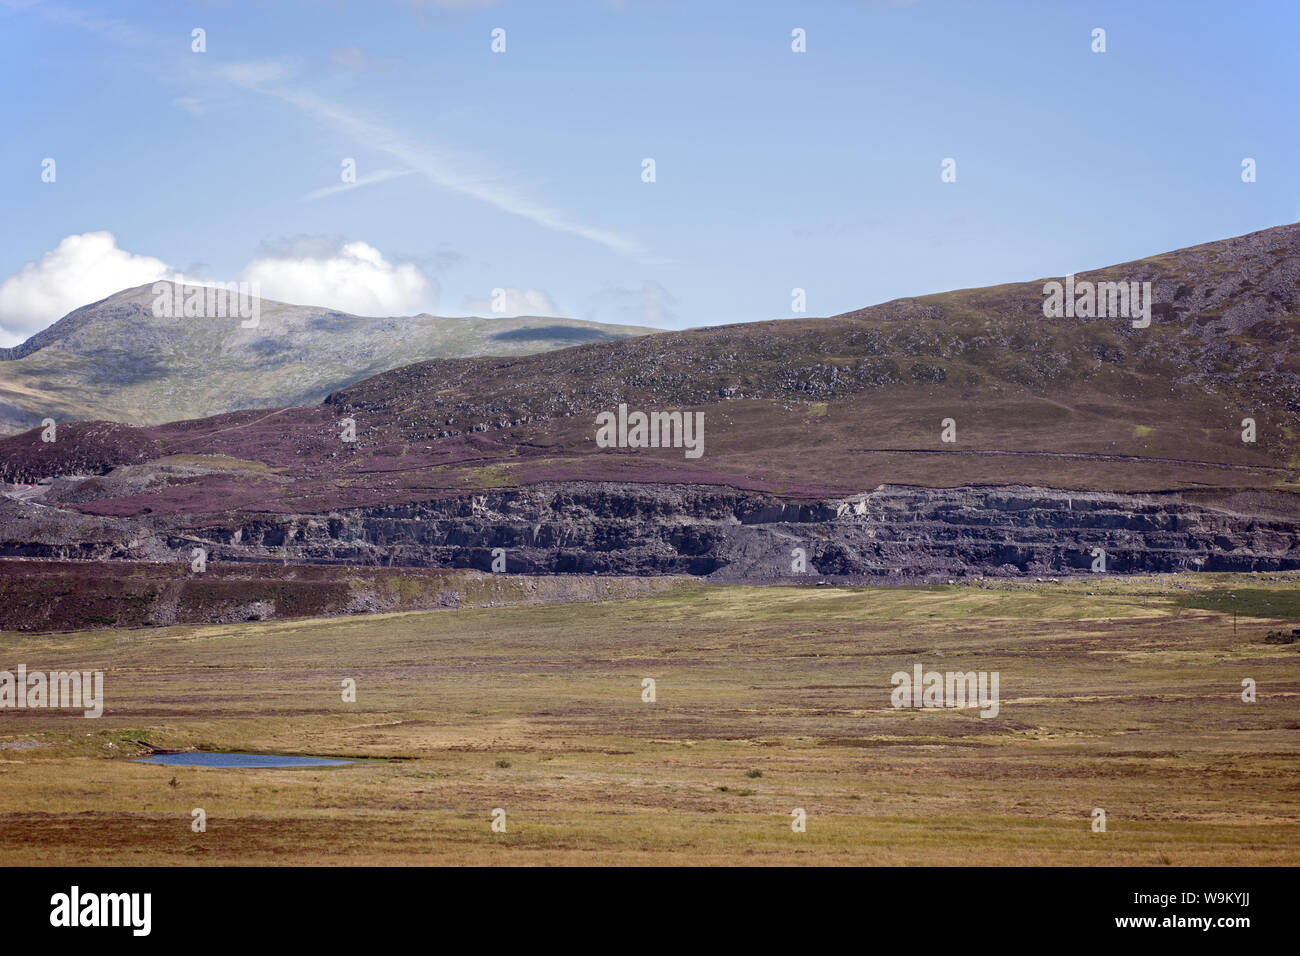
[(1247, 602)]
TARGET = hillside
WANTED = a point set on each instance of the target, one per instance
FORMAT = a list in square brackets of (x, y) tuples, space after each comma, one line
[(116, 360), (818, 432), (1221, 346)]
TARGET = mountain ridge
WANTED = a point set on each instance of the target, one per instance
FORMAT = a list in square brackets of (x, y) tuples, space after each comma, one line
[(114, 359), (451, 455)]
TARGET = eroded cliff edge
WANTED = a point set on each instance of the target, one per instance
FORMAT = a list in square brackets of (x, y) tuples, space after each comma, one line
[(892, 533)]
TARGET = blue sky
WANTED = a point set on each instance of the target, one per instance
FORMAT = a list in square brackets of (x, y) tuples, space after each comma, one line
[(522, 170)]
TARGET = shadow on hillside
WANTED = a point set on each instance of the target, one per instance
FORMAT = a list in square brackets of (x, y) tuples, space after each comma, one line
[(556, 333)]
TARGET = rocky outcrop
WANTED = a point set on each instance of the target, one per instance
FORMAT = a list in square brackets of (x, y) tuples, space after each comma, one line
[(893, 533)]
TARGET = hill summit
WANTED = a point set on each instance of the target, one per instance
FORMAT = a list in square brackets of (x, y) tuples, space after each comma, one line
[(117, 360)]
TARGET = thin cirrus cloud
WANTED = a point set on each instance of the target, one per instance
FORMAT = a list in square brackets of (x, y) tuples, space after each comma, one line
[(452, 171), (441, 166), (378, 176), (190, 105), (356, 59)]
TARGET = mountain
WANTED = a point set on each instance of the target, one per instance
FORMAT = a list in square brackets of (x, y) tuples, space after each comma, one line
[(1072, 435), (116, 360)]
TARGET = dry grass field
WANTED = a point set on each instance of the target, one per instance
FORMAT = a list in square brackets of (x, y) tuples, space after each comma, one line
[(1123, 694)]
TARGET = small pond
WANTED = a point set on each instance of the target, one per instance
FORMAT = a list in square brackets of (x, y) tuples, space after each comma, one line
[(240, 760)]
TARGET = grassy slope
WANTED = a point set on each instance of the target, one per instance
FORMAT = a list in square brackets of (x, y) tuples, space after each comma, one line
[(1115, 694), (73, 595)]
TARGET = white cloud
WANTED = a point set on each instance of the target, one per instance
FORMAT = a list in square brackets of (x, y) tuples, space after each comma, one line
[(655, 302), (513, 302), (80, 270), (353, 277), (649, 305)]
